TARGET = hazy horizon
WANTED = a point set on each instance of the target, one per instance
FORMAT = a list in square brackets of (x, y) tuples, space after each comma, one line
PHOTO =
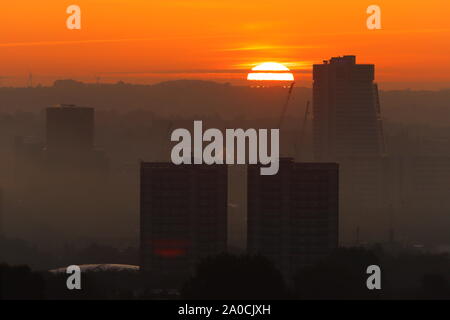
[(237, 83), (151, 41)]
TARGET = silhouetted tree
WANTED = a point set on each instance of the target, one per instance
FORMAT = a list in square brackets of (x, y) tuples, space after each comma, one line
[(342, 275), (235, 277), (434, 287), (20, 252), (98, 285), (20, 283)]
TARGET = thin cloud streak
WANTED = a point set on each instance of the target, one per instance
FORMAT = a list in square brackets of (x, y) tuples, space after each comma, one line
[(269, 47), (51, 43), (69, 42), (250, 48), (382, 31), (216, 71)]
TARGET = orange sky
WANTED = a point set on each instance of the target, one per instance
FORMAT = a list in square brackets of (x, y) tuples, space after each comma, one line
[(145, 41)]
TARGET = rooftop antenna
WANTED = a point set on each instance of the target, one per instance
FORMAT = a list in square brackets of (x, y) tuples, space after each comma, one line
[(30, 80)]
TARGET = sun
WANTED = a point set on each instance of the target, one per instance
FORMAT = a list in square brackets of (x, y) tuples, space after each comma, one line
[(270, 71)]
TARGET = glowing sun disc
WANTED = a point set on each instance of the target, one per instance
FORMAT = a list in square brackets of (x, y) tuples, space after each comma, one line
[(270, 71), (270, 66)]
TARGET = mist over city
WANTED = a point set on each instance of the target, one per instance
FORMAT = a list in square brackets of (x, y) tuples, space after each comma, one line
[(253, 162)]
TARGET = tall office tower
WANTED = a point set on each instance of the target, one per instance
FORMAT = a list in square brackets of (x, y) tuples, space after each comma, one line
[(293, 216), (65, 180), (347, 129), (70, 141), (346, 110), (183, 217), (69, 129)]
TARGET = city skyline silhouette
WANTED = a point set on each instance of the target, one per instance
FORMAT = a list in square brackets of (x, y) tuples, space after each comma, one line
[(225, 150)]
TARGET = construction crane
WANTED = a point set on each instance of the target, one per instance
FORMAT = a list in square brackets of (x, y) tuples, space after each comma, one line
[(299, 142), (305, 119), (285, 105), (303, 128), (380, 123)]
